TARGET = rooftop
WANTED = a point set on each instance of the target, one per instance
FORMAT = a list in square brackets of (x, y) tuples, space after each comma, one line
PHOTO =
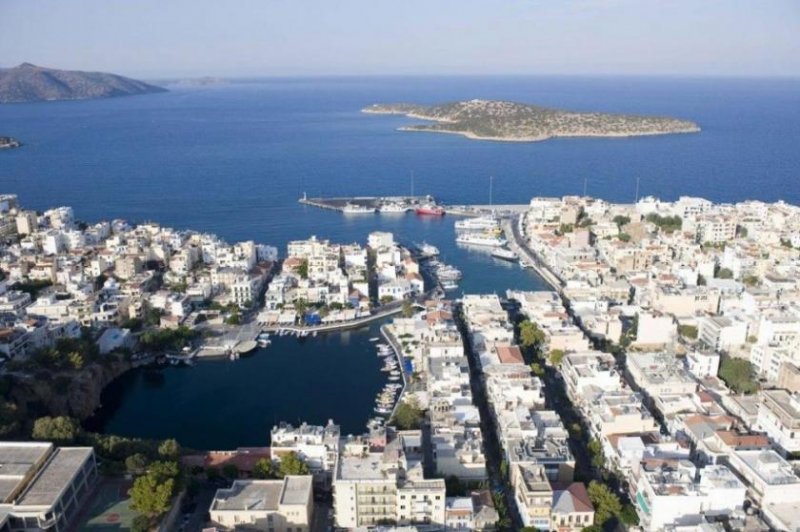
[(54, 477)]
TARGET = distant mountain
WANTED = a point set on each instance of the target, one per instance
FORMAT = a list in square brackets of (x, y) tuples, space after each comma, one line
[(509, 121), (31, 83)]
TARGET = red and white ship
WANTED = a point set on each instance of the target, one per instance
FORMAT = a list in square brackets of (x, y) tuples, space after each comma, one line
[(430, 210)]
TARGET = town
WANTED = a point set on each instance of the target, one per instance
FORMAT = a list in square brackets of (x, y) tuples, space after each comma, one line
[(655, 385)]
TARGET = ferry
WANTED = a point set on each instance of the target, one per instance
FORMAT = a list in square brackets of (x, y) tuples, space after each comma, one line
[(352, 208), (429, 210), (480, 240), (481, 223), (505, 254)]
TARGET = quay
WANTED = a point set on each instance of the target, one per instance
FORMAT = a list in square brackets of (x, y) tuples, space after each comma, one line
[(398, 351), (527, 257), (411, 202)]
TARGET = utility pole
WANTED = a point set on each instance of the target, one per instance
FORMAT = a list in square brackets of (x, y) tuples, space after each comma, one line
[(491, 184)]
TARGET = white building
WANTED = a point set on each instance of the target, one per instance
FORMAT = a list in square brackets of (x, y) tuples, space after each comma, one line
[(285, 505), (779, 417)]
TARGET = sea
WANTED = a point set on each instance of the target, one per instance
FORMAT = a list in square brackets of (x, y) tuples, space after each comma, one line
[(234, 159)]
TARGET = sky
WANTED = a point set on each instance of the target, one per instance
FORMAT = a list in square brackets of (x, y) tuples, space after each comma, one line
[(163, 38)]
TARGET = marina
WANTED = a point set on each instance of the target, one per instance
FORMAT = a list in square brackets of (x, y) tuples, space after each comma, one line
[(420, 205)]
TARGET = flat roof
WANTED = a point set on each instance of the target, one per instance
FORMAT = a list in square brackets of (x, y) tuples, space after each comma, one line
[(55, 476), (17, 461), (249, 495), (297, 490), (361, 468)]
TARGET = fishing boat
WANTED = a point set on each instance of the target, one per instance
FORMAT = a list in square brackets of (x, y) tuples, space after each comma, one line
[(374, 339), (429, 209)]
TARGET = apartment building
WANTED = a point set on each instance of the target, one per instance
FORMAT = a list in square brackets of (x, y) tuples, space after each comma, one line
[(285, 505)]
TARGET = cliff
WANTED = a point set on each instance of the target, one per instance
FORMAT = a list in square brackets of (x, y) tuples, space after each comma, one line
[(73, 394), (509, 121), (31, 83)]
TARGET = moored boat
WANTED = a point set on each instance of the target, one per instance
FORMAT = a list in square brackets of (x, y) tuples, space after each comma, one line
[(429, 210), (505, 254)]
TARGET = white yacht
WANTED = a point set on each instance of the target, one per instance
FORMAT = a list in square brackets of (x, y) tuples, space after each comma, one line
[(505, 254), (352, 208), (428, 250), (392, 208)]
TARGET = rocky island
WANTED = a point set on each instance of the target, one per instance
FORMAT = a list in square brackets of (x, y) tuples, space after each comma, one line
[(9, 142), (31, 83), (519, 122)]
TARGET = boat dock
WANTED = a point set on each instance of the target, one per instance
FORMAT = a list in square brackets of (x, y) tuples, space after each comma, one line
[(376, 203)]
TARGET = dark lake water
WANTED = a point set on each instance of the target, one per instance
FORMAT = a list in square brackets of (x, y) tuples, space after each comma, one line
[(234, 159)]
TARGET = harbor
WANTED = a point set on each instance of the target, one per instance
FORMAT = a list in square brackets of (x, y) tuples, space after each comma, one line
[(421, 205)]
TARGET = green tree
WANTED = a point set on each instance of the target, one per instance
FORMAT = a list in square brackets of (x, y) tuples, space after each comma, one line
[(537, 369), (291, 464), (141, 523), (606, 503), (621, 220), (302, 270), (751, 280), (150, 497), (75, 360), (61, 430), (408, 415), (230, 471), (300, 306), (264, 469), (629, 516), (169, 449), (624, 237), (234, 319), (408, 308), (724, 273), (530, 335), (738, 375), (136, 463), (595, 449), (556, 356), (162, 471), (668, 224), (688, 331)]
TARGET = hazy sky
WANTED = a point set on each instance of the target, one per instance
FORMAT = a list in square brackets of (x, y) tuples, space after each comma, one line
[(322, 37)]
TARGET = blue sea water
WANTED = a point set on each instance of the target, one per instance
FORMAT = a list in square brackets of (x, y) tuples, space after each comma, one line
[(234, 159)]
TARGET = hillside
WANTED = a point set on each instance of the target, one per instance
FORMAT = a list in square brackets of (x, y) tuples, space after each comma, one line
[(509, 121), (31, 83)]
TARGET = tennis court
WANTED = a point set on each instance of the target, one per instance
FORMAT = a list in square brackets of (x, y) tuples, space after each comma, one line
[(110, 510)]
